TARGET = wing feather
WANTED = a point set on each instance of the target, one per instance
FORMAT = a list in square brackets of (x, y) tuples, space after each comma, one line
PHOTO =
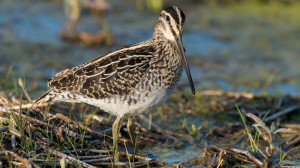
[(115, 73)]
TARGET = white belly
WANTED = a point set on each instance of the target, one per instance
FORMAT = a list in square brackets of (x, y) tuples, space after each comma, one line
[(118, 105)]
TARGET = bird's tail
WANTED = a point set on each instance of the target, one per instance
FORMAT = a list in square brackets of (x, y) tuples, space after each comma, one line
[(42, 99)]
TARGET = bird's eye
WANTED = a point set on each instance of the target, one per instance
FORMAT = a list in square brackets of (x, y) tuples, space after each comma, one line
[(167, 18)]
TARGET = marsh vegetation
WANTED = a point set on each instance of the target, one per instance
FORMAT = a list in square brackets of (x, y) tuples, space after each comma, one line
[(244, 58)]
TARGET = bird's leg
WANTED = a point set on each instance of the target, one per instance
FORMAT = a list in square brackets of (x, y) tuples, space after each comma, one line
[(131, 129), (115, 132)]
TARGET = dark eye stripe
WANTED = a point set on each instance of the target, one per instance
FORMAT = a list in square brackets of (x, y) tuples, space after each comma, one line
[(173, 32), (173, 13)]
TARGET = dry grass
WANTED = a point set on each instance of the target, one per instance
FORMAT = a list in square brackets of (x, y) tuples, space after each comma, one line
[(59, 135)]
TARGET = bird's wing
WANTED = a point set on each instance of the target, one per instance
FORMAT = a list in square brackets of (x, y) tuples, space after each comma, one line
[(115, 73)]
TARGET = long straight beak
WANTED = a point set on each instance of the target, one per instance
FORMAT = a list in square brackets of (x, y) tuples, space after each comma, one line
[(185, 64)]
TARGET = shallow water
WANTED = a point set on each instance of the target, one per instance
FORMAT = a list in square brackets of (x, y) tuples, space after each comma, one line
[(232, 49), (228, 52)]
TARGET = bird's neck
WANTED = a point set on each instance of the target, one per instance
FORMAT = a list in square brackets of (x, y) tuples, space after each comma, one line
[(166, 51)]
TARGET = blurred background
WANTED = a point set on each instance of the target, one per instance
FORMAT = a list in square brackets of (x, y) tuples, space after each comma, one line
[(232, 45)]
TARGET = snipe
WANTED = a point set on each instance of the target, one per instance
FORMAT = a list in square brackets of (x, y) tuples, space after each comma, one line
[(131, 80)]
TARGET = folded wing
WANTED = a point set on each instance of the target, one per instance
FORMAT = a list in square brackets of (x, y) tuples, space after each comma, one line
[(114, 73)]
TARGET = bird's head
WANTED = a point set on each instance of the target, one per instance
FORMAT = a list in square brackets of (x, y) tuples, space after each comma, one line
[(170, 26), (170, 23)]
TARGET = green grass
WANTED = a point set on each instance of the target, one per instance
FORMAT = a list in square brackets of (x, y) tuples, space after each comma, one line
[(18, 124), (150, 121), (248, 132), (282, 156), (256, 136)]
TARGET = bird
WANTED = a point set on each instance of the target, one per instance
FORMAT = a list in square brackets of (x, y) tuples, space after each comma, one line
[(132, 80)]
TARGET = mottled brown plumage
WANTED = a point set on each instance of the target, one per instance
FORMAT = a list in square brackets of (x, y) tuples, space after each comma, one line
[(132, 80), (105, 76)]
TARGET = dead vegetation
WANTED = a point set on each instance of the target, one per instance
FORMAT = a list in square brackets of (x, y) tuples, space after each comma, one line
[(58, 135), (38, 138), (265, 140)]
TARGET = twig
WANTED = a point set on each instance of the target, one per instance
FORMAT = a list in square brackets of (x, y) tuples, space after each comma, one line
[(170, 135), (73, 161), (295, 126), (135, 156), (118, 164), (248, 154), (185, 137), (279, 102), (59, 129), (214, 159), (43, 163), (18, 164), (92, 157), (97, 160), (25, 162), (251, 139), (13, 132), (23, 106), (107, 131), (20, 82), (88, 150), (293, 142), (146, 164), (3, 101), (161, 136), (146, 120), (244, 159), (39, 135), (281, 113), (220, 160), (78, 125)]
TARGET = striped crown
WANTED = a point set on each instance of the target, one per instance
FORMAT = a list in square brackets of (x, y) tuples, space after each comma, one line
[(170, 22)]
